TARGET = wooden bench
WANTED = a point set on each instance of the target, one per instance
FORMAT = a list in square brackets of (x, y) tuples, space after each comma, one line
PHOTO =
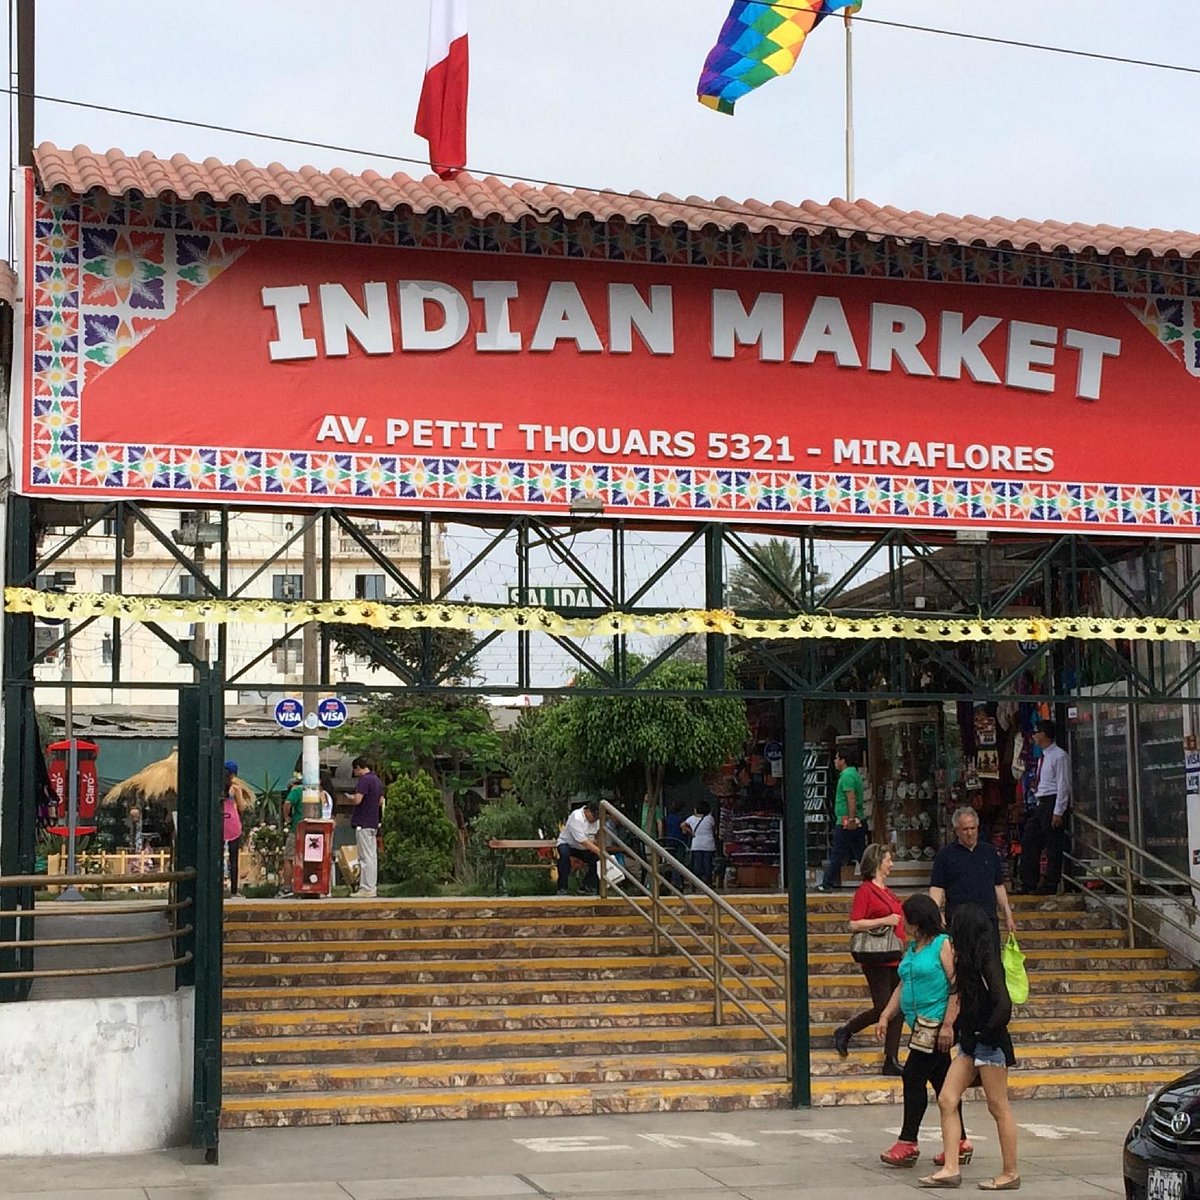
[(547, 853)]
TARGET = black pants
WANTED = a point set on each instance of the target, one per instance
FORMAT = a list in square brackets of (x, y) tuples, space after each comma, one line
[(921, 1069), (233, 848), (565, 854), (846, 846), (881, 979), (1040, 835)]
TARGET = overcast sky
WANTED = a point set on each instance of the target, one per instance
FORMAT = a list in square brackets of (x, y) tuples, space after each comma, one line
[(603, 94)]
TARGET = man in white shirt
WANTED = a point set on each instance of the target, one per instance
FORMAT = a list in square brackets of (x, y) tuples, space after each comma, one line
[(701, 828), (1044, 827), (577, 839)]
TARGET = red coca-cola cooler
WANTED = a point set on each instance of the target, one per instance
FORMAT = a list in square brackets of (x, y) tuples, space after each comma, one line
[(88, 786)]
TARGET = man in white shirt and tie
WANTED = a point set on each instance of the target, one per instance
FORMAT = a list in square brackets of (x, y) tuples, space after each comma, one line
[(1044, 827)]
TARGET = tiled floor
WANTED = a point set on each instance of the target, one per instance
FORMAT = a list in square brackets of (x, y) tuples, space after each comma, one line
[(1070, 1150)]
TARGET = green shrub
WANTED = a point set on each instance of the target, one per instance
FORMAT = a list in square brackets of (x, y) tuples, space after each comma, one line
[(503, 818), (418, 836)]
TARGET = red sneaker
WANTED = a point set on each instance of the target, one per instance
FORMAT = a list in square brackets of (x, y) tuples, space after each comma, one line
[(965, 1153), (902, 1154)]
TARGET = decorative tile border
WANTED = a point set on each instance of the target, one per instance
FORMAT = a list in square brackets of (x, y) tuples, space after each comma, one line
[(106, 270)]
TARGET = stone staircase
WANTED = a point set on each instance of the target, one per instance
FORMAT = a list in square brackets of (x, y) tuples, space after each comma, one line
[(344, 1011)]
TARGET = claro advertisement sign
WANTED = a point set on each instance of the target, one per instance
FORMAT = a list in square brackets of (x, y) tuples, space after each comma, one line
[(205, 369)]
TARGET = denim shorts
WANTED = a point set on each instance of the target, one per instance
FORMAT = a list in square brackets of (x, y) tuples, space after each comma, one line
[(987, 1056)]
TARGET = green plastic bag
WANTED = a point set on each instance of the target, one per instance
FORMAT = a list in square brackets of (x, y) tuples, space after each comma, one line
[(1014, 970)]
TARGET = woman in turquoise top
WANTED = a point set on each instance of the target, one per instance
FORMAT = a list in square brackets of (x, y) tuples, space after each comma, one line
[(926, 990)]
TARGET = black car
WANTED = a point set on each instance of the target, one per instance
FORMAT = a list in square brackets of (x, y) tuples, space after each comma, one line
[(1162, 1151)]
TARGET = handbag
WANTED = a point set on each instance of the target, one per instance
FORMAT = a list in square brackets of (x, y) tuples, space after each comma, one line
[(1015, 977), (878, 945), (924, 1034)]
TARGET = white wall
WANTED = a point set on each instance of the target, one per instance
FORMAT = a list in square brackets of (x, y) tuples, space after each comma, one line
[(105, 1076)]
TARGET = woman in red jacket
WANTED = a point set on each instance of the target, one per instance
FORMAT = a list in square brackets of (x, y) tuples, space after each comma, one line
[(876, 908)]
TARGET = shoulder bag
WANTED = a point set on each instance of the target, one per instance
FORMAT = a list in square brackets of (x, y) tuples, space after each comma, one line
[(924, 1034), (878, 945)]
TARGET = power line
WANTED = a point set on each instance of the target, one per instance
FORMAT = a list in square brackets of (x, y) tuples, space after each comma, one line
[(991, 39)]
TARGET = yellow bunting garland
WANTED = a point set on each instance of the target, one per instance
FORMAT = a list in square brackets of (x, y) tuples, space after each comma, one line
[(80, 606)]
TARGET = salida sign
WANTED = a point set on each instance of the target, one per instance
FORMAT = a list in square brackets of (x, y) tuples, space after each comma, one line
[(445, 380)]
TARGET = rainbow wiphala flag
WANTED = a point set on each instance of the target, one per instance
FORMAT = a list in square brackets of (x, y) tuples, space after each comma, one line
[(760, 41)]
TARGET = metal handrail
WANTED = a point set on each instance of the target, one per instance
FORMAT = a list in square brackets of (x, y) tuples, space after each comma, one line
[(712, 939), (1132, 878), (97, 880), (172, 934)]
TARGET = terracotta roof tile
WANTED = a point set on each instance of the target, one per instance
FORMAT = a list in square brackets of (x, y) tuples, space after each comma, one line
[(116, 172)]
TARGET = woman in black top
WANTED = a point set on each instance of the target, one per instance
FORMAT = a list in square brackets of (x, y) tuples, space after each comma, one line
[(984, 1045)]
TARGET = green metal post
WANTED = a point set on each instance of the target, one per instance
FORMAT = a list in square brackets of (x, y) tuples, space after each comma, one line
[(17, 801), (714, 598), (201, 748), (797, 866)]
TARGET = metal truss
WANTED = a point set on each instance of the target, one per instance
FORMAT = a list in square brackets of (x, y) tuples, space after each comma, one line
[(895, 571)]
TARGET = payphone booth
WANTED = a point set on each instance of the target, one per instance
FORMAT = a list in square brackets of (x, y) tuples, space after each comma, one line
[(87, 783)]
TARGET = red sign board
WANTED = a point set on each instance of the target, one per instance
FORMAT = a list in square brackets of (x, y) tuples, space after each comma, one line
[(234, 370)]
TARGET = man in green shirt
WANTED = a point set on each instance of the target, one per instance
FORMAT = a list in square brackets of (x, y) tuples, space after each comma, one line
[(293, 814), (849, 833)]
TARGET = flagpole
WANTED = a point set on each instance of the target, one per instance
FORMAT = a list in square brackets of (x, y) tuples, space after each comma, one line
[(849, 22)]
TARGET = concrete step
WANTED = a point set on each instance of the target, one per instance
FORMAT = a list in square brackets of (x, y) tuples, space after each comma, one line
[(430, 911), (623, 923), (644, 1065), (361, 1077), (1037, 1056), (259, 1110), (1049, 947), (553, 997), (447, 1030), (1050, 1084), (348, 1045), (442, 977)]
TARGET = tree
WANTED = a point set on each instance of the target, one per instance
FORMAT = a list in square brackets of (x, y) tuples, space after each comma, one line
[(641, 734), (539, 754), (450, 739), (418, 837), (438, 649), (778, 575)]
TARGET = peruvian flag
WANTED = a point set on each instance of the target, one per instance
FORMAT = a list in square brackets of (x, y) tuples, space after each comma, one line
[(442, 112)]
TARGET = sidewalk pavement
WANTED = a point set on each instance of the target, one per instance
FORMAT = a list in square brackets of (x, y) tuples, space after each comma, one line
[(1070, 1150)]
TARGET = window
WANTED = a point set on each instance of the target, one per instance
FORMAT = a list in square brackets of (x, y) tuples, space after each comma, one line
[(43, 637), (287, 587), (110, 526), (370, 587), (106, 650), (108, 583), (288, 656), (189, 585)]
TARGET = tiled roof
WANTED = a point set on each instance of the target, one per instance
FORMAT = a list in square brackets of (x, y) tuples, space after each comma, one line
[(115, 172)]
